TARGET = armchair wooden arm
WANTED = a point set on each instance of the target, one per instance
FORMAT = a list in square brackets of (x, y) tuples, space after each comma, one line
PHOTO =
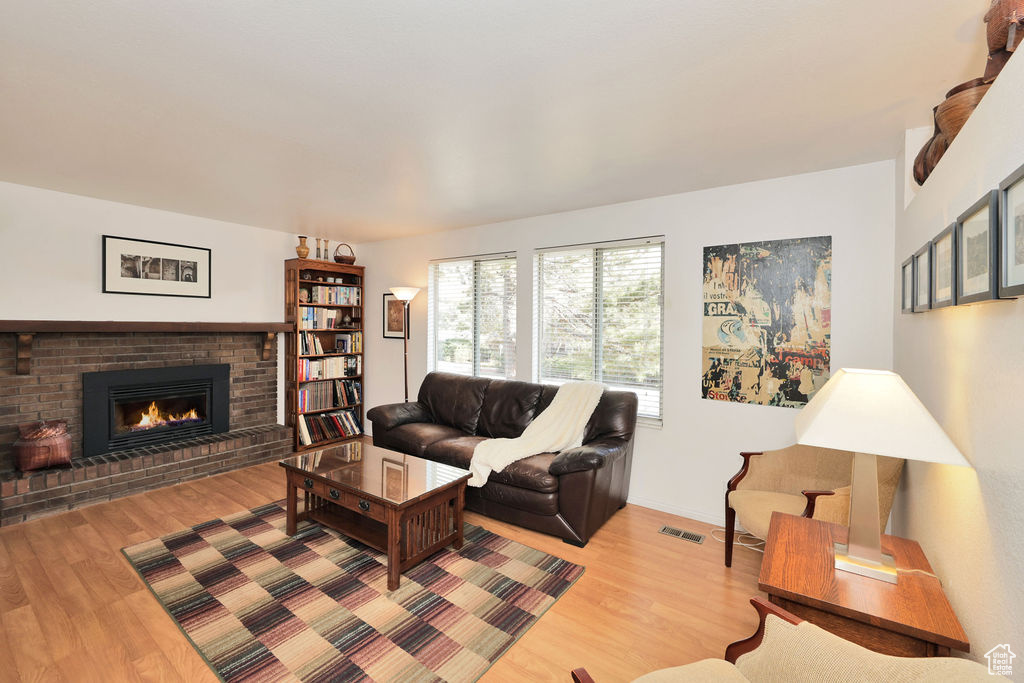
[(764, 608), (812, 499)]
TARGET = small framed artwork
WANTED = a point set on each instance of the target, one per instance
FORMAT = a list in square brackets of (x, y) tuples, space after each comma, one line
[(132, 266), (396, 317), (977, 250), (1011, 235), (944, 268), (907, 277), (394, 482), (923, 279)]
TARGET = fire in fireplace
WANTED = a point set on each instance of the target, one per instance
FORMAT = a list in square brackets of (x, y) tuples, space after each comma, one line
[(130, 408)]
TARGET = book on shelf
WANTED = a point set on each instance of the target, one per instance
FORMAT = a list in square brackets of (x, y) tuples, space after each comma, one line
[(325, 395), (311, 318), (309, 344), (348, 391), (335, 295), (348, 342), (329, 368), (328, 426)]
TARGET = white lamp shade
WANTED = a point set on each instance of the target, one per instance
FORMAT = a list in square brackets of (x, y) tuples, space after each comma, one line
[(875, 412), (405, 293)]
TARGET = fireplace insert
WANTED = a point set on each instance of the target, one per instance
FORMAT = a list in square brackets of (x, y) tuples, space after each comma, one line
[(126, 409)]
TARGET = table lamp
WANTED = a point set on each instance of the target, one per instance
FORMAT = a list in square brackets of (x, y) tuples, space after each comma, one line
[(405, 295), (872, 413)]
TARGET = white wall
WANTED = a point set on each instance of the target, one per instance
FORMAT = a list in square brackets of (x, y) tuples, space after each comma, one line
[(683, 466), (51, 249), (966, 363)]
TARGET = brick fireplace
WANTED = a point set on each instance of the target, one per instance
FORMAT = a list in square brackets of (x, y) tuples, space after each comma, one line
[(52, 388)]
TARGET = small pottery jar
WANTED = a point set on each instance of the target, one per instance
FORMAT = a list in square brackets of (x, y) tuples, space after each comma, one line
[(302, 250)]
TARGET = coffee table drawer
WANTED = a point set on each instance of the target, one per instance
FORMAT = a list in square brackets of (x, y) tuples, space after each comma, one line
[(353, 502), (305, 483)]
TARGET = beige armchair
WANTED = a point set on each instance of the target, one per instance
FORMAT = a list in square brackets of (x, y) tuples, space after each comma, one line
[(799, 480), (785, 648)]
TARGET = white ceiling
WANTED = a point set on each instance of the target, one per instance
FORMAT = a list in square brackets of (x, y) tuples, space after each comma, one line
[(365, 120)]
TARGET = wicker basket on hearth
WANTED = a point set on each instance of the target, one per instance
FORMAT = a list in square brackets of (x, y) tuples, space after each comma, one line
[(42, 444)]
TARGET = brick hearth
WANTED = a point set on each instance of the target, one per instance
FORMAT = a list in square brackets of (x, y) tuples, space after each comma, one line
[(53, 390)]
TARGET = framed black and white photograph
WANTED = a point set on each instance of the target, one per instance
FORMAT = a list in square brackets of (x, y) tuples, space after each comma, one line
[(907, 292), (976, 251), (944, 268), (396, 317), (132, 266), (1011, 235), (923, 279)]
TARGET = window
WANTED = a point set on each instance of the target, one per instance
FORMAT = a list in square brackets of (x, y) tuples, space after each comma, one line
[(472, 316), (599, 317)]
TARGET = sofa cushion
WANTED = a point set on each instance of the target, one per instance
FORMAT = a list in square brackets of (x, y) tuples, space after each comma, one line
[(529, 473), (455, 451), (415, 437), (454, 400), (614, 416), (516, 497), (508, 408)]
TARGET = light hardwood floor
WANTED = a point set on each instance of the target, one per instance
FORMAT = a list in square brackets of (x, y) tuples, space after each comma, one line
[(73, 609)]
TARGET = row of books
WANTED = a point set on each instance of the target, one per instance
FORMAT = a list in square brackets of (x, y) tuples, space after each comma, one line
[(329, 368), (323, 395), (328, 426), (348, 391), (337, 295), (348, 342), (318, 318)]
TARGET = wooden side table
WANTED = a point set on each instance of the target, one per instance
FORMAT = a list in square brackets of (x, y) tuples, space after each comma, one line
[(911, 618)]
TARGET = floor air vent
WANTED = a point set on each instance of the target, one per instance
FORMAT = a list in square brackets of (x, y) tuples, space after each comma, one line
[(679, 533)]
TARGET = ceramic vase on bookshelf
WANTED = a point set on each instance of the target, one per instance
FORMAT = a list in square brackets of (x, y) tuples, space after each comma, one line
[(302, 250)]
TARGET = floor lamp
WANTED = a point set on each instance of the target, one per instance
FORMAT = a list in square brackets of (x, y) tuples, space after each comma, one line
[(405, 295), (871, 413)]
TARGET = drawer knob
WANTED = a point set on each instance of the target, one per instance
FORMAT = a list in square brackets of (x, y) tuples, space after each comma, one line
[(364, 506), (334, 494), (308, 482)]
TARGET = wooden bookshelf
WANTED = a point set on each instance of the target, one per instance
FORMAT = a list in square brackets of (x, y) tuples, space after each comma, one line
[(306, 289)]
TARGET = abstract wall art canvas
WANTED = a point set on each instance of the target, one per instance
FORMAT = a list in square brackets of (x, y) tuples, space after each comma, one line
[(767, 321)]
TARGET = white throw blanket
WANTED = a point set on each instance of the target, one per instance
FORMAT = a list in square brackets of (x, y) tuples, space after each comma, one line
[(559, 427)]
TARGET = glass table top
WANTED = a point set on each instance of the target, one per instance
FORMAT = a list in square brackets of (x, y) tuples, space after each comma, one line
[(376, 471)]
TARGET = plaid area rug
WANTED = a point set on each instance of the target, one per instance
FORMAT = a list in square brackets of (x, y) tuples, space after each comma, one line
[(263, 606)]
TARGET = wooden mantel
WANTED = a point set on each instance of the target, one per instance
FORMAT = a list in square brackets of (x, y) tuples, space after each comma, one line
[(27, 329)]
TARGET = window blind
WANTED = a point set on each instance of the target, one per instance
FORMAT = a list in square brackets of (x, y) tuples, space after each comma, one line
[(599, 316), (471, 316)]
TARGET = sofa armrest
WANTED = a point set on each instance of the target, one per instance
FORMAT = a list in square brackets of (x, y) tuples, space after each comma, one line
[(590, 456), (395, 414)]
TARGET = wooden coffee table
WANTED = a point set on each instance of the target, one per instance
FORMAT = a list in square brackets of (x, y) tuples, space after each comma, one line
[(404, 506)]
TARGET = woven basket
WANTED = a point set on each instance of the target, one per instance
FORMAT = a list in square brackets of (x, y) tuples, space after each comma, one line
[(1000, 15), (953, 112), (347, 259), (42, 444)]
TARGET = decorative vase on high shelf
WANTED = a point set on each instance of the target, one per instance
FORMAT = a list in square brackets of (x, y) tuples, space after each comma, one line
[(302, 251)]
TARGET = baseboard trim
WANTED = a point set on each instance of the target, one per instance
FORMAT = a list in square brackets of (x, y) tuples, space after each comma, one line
[(689, 513)]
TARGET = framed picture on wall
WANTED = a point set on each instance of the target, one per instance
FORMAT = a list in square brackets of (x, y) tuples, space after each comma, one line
[(977, 250), (132, 266), (923, 279), (907, 292), (396, 317), (1011, 235), (944, 268)]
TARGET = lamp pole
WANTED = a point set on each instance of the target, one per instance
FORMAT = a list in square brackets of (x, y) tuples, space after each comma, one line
[(405, 340), (405, 295)]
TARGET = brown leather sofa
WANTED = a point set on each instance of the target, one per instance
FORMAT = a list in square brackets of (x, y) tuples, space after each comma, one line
[(568, 494)]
